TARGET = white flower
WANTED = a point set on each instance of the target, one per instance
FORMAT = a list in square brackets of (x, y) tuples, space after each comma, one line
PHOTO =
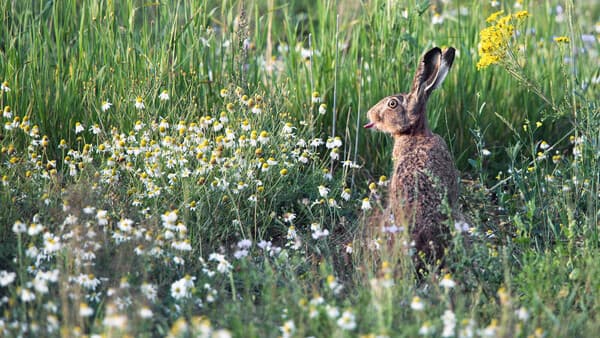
[(149, 291), (105, 105), (19, 227), (139, 103), (289, 217), (222, 333), (125, 225), (182, 288), (449, 320), (169, 218), (164, 95), (366, 205), (316, 142), (323, 109), (115, 320), (349, 248), (95, 129), (320, 234), (224, 266), (437, 19), (447, 282), (79, 128), (426, 329), (101, 217), (332, 311), (323, 191), (145, 312), (291, 233), (7, 278), (347, 321), (4, 87), (85, 310), (7, 113), (485, 152), (26, 295), (417, 304), (51, 243), (182, 245), (333, 142), (522, 314), (287, 329), (88, 281), (346, 194)]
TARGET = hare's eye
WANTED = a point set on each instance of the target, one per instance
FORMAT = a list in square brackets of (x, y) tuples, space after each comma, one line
[(393, 103)]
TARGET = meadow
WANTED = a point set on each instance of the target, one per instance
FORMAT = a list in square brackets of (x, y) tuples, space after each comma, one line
[(199, 169)]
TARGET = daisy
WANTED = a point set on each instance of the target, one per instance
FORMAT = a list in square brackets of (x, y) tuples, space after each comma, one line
[(105, 105), (6, 278), (4, 87), (347, 321), (417, 304), (447, 282), (139, 103), (164, 95)]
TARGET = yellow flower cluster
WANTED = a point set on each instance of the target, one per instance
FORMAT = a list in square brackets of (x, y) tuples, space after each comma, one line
[(494, 40)]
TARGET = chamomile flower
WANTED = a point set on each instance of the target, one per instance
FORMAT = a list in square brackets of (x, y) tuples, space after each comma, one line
[(19, 227), (347, 321), (449, 320), (7, 113), (79, 128), (366, 204), (139, 103), (346, 194), (437, 19), (447, 282), (323, 109), (105, 105), (4, 87), (145, 313), (323, 191), (287, 329), (289, 217), (164, 95), (417, 304), (7, 278), (182, 288), (85, 310), (316, 97)]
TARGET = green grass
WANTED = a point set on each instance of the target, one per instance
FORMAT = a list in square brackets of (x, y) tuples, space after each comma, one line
[(153, 204)]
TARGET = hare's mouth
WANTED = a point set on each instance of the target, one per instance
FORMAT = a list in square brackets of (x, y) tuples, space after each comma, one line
[(369, 125)]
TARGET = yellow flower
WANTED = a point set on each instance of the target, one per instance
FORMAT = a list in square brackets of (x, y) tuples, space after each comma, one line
[(562, 39), (494, 41), (521, 15), (494, 16)]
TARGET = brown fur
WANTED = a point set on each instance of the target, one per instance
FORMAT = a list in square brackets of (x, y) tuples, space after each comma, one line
[(424, 173)]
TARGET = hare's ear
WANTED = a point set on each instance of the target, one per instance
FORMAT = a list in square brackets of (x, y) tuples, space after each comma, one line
[(432, 71)]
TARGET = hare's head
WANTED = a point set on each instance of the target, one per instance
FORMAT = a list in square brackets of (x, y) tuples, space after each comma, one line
[(403, 114)]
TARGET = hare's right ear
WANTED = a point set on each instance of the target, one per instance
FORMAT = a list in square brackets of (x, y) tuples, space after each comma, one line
[(432, 71)]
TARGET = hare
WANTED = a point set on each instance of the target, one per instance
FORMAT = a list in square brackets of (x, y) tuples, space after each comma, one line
[(424, 173)]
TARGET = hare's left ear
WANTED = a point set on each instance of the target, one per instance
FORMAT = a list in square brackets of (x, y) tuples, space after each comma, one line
[(432, 71)]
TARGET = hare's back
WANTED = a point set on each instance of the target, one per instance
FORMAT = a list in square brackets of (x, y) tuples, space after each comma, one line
[(420, 162)]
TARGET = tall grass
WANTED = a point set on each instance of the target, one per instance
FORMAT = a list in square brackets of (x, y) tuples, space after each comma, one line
[(230, 208)]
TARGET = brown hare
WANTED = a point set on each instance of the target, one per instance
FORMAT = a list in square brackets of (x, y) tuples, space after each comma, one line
[(424, 173)]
